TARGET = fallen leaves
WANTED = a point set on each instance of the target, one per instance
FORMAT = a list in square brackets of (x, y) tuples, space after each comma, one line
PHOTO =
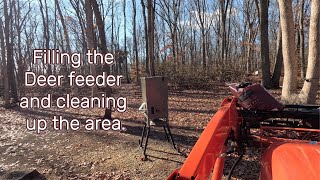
[(112, 155)]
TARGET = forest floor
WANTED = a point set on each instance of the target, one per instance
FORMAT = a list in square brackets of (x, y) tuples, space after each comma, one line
[(113, 154)]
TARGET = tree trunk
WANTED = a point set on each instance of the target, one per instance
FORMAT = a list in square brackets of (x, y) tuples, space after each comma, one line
[(65, 31), (65, 71), (9, 46), (151, 37), (90, 43), (146, 35), (4, 69), (135, 45), (104, 50), (278, 62), (18, 24), (223, 15), (46, 34), (125, 42), (227, 38), (76, 6), (309, 90), (289, 58), (301, 39), (204, 60), (249, 51), (264, 44)]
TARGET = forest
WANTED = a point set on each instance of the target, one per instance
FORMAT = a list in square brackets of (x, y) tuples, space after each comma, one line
[(92, 48), (189, 41)]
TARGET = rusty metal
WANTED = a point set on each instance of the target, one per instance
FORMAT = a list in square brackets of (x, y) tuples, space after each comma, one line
[(290, 128)]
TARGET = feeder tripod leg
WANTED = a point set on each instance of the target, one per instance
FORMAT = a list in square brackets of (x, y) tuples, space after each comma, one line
[(146, 144), (143, 134), (170, 135), (165, 130)]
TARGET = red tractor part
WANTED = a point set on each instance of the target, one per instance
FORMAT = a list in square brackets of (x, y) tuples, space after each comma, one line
[(291, 161), (284, 159), (209, 152), (253, 108), (254, 96)]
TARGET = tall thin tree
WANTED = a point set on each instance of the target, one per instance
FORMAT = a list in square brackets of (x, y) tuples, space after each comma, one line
[(151, 37)]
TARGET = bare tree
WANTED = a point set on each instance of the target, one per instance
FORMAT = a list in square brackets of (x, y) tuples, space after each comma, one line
[(9, 47), (309, 90), (112, 26), (201, 20), (135, 44), (104, 50), (169, 12), (278, 61), (301, 39), (310, 86), (65, 31), (4, 68), (197, 35), (265, 65), (77, 8), (224, 4), (20, 21), (90, 35), (289, 59), (250, 13), (145, 34), (46, 34), (125, 43), (151, 37)]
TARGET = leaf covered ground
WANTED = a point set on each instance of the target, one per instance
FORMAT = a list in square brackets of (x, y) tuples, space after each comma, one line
[(112, 154)]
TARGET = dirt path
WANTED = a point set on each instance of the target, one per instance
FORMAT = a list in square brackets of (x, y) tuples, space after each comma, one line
[(107, 154)]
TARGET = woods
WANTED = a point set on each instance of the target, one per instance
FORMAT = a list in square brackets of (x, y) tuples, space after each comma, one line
[(311, 81), (155, 89), (188, 41)]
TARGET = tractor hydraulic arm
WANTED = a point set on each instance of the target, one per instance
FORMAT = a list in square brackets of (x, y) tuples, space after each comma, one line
[(209, 152)]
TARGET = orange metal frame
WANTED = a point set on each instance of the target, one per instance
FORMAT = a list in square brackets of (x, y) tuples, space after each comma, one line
[(208, 152), (208, 155)]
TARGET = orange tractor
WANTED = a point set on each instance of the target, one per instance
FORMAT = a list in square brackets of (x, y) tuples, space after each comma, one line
[(230, 128)]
